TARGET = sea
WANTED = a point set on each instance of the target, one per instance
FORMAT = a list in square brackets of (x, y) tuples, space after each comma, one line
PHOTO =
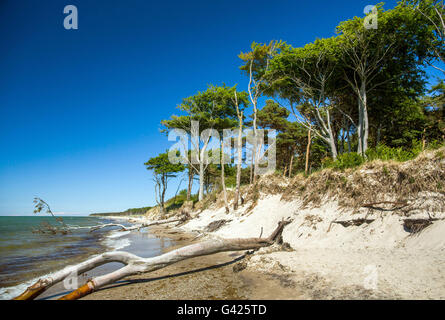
[(26, 256)]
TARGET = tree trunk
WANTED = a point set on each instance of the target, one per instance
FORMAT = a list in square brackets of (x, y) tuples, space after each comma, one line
[(162, 200), (333, 148), (223, 182), (332, 139), (136, 265), (201, 181), (363, 124), (251, 170), (342, 140), (255, 148), (189, 187), (202, 170), (291, 163), (238, 166), (349, 140), (308, 150)]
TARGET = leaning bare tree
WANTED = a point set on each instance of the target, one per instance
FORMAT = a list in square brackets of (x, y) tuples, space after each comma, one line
[(46, 227), (64, 228), (135, 265)]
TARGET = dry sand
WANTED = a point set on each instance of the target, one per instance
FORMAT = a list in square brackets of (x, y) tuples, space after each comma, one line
[(322, 257), (376, 260)]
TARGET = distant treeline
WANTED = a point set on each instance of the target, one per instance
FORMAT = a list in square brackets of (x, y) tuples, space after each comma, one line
[(129, 212)]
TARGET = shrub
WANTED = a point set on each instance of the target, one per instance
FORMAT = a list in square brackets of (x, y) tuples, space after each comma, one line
[(346, 160), (435, 144), (381, 152), (384, 152)]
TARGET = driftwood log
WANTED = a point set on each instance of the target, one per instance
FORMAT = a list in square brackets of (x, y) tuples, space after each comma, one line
[(135, 265), (136, 227), (377, 205)]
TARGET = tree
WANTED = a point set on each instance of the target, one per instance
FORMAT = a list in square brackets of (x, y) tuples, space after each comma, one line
[(239, 148), (432, 13), (305, 78), (434, 110), (256, 66), (391, 54), (190, 177), (291, 135), (45, 227), (208, 113), (163, 171)]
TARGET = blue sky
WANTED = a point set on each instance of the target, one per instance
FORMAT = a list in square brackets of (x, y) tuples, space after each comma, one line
[(80, 110)]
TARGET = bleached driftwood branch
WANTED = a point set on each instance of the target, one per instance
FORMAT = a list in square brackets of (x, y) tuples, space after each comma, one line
[(137, 227), (135, 264)]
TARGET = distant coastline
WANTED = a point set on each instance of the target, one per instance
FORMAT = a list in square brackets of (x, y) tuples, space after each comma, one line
[(128, 212)]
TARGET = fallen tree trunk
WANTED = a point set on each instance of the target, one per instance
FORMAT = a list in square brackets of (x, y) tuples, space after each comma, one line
[(68, 228), (135, 264), (136, 227), (396, 205)]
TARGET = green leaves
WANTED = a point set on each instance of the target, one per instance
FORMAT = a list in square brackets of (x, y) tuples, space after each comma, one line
[(257, 59), (162, 166), (214, 108)]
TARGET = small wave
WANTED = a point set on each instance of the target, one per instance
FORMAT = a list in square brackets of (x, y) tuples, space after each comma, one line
[(117, 234), (10, 292), (7, 293), (115, 240), (117, 244)]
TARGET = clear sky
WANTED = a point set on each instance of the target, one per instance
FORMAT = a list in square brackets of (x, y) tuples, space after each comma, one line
[(80, 110)]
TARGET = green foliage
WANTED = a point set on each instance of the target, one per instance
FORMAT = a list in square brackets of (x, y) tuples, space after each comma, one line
[(161, 165), (178, 200), (214, 108), (381, 152), (320, 84), (163, 170), (346, 160), (384, 152), (230, 178), (128, 212)]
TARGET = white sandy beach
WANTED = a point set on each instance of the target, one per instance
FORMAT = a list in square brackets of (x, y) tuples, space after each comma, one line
[(381, 259)]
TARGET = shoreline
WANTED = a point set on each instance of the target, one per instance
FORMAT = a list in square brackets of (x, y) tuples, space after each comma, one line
[(206, 277), (80, 246), (109, 240), (135, 242), (318, 259), (320, 264)]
